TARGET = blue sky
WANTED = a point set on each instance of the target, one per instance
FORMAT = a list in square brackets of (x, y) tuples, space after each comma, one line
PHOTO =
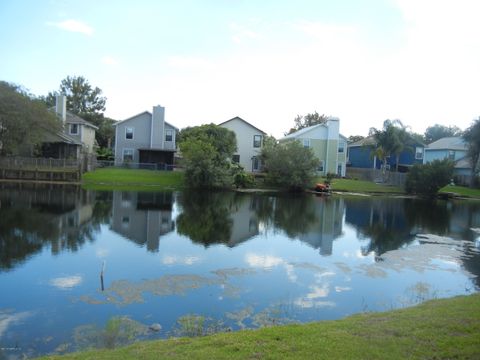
[(265, 61)]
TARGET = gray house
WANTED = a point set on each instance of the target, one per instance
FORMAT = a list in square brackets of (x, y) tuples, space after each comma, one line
[(145, 138)]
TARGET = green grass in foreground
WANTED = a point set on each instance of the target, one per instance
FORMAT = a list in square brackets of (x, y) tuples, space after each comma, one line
[(438, 329), (363, 186), (462, 191), (132, 179)]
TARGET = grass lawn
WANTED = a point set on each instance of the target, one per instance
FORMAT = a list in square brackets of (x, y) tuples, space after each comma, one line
[(362, 186), (438, 329), (132, 179), (462, 191)]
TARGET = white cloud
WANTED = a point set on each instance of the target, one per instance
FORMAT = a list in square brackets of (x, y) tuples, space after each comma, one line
[(263, 261), (73, 26), (67, 282), (7, 319), (181, 260)]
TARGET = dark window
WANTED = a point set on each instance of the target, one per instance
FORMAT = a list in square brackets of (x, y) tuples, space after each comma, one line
[(341, 147), (73, 129), (236, 158), (257, 141), (168, 135), (129, 133)]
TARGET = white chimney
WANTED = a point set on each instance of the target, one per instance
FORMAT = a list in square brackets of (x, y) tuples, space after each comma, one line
[(61, 106), (157, 127)]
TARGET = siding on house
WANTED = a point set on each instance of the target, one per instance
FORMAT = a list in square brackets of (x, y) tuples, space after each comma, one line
[(324, 140), (147, 131), (246, 134)]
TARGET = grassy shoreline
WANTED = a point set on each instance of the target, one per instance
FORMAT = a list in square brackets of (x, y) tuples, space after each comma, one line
[(437, 329)]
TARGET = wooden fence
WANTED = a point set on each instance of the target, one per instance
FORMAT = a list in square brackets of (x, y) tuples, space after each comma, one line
[(40, 169), (378, 176)]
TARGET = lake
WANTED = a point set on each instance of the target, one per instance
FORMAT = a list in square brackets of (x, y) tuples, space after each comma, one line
[(82, 269)]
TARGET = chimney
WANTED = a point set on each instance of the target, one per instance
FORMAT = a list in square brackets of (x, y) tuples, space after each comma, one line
[(61, 106), (157, 130)]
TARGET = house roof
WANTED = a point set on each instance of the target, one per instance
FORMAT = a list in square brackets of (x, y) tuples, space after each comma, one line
[(463, 163), (246, 122), (369, 140), (74, 119), (134, 116), (59, 137), (71, 118), (448, 143), (300, 132)]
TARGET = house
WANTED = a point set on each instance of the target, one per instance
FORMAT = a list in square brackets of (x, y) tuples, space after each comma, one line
[(328, 145), (361, 154), (249, 143), (453, 148), (146, 138), (75, 140)]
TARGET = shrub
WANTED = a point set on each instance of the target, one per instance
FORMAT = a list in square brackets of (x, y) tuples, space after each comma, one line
[(426, 180)]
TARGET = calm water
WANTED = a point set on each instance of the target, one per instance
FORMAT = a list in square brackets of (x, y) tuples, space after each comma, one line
[(199, 263)]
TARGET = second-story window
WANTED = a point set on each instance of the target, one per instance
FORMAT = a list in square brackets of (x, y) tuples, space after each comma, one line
[(257, 141), (129, 133), (341, 147), (418, 153), (451, 155), (306, 143), (168, 135), (73, 129)]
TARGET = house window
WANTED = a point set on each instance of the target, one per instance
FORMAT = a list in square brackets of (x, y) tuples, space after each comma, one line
[(451, 155), (306, 143), (129, 133), (255, 163), (127, 154), (257, 141), (73, 129), (236, 159), (341, 147), (418, 153), (320, 166), (168, 135)]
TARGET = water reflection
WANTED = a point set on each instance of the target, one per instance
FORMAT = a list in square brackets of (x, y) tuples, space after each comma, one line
[(143, 217), (30, 219)]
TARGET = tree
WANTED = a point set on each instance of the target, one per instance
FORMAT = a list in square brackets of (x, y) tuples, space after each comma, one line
[(392, 140), (207, 151), (355, 138), (426, 180), (23, 120), (307, 120), (437, 131), (289, 165), (472, 137), (87, 102)]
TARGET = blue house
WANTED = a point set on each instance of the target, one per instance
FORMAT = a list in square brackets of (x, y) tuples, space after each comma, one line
[(361, 154), (453, 148)]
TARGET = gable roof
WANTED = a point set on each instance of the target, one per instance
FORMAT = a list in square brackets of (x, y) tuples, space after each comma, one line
[(448, 143), (301, 132), (246, 122), (71, 118), (145, 112), (369, 140)]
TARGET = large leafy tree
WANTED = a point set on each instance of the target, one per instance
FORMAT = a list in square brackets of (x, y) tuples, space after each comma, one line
[(472, 137), (303, 121), (86, 101), (391, 140), (289, 165), (23, 120), (206, 152), (437, 131)]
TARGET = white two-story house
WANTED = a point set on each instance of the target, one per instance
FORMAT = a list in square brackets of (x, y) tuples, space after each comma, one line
[(146, 138), (249, 143)]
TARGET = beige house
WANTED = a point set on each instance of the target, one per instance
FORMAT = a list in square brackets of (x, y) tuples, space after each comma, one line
[(249, 143)]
